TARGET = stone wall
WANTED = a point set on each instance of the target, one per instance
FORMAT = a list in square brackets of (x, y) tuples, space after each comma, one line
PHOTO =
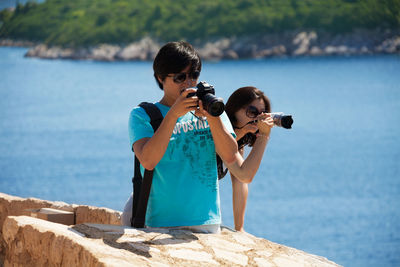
[(15, 206), (29, 241)]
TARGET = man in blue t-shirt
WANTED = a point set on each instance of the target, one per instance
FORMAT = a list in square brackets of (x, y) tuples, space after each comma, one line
[(183, 150)]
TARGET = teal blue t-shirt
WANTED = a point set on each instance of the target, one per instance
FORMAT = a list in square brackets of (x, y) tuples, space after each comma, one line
[(185, 190)]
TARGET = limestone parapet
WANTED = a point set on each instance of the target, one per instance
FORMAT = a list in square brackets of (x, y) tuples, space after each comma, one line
[(29, 241)]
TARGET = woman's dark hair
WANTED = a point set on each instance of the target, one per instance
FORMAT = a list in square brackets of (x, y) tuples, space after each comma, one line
[(241, 98), (173, 57)]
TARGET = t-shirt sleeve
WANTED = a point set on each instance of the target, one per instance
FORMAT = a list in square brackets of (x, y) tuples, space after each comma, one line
[(139, 125), (227, 123)]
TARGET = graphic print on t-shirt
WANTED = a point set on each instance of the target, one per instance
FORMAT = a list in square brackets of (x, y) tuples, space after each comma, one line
[(193, 138)]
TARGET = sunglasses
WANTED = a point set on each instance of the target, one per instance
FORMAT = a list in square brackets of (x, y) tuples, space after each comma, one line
[(252, 112), (181, 77)]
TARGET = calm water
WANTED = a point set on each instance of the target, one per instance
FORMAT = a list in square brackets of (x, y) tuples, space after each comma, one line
[(330, 186)]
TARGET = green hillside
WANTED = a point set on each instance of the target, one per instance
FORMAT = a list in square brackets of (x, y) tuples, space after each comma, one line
[(84, 22)]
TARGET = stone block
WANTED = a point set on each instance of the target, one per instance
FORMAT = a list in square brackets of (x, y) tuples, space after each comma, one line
[(52, 215)]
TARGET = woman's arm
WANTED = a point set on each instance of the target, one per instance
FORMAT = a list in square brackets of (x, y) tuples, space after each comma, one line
[(245, 170), (239, 200)]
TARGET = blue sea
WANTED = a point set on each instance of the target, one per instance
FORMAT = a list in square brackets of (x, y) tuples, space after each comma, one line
[(330, 186)]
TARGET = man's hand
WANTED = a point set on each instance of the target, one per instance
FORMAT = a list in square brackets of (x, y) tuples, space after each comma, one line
[(183, 104), (201, 112)]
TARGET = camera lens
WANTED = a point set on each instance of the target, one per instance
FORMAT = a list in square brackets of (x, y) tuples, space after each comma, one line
[(287, 121), (282, 120), (214, 105), (216, 108)]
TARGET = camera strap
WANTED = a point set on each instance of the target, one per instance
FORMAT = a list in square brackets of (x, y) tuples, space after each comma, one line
[(142, 187)]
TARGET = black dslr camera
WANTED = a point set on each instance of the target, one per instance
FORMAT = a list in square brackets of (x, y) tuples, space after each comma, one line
[(206, 93), (282, 120)]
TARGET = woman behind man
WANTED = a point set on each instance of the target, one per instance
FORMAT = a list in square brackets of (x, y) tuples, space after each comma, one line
[(248, 110)]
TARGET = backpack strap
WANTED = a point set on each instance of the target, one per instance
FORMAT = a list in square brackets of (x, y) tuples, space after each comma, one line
[(220, 168), (154, 113), (137, 185), (141, 188)]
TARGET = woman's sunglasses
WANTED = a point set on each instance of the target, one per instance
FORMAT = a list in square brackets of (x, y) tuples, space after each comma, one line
[(252, 112), (181, 77)]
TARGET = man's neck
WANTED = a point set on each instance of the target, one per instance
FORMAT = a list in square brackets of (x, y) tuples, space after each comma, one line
[(167, 102)]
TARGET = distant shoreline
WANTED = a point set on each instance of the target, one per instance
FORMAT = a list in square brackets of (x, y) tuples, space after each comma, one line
[(293, 44)]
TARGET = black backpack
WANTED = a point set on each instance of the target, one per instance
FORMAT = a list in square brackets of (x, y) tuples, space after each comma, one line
[(142, 186)]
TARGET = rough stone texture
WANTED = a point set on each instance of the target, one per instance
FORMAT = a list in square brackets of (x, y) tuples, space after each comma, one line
[(104, 52), (302, 41), (389, 46), (34, 242), (145, 49), (15, 206), (17, 43), (85, 214), (43, 51)]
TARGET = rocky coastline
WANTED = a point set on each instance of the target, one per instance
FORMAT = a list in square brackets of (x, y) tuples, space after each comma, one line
[(291, 44)]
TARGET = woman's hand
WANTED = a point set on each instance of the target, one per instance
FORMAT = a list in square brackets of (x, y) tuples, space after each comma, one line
[(248, 128), (265, 123)]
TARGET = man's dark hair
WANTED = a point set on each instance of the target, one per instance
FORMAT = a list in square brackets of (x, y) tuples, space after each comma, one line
[(174, 57)]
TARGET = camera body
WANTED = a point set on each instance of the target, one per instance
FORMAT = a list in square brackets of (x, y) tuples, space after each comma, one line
[(206, 93)]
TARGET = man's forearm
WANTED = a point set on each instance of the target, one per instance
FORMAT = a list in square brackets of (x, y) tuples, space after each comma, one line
[(225, 145)]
